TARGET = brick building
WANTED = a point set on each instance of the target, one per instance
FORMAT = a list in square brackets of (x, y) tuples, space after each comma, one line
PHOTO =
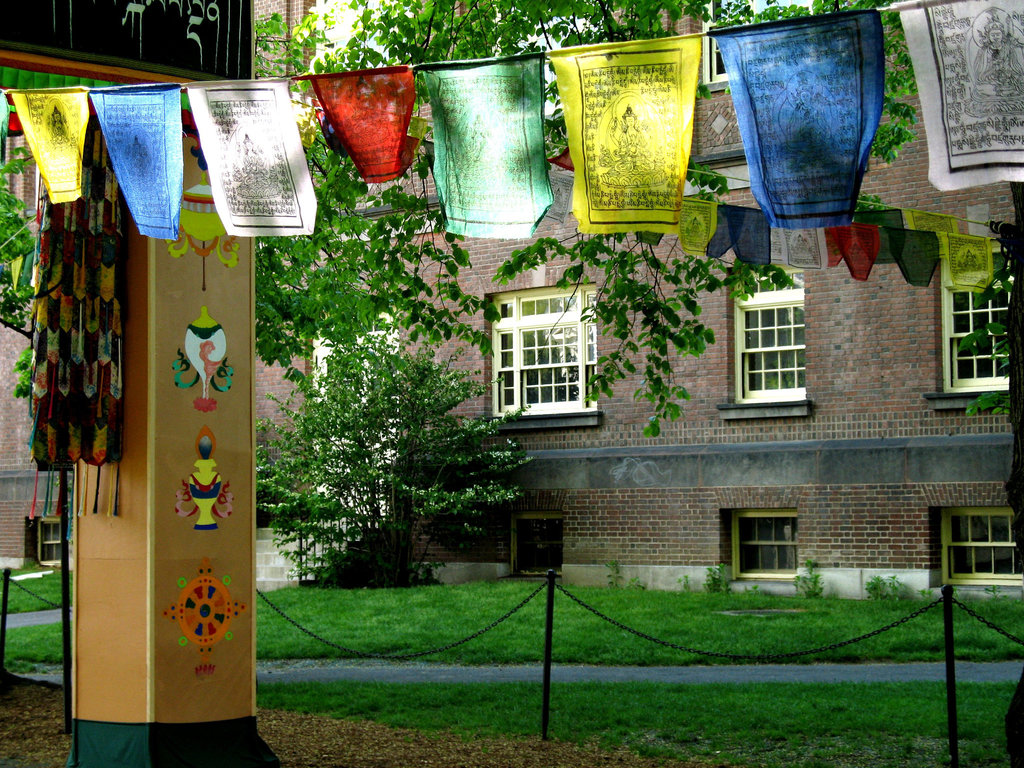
[(827, 423)]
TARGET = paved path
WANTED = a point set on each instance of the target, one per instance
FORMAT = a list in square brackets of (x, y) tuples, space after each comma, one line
[(33, 618)]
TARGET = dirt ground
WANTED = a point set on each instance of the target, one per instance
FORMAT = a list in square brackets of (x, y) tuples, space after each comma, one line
[(32, 724)]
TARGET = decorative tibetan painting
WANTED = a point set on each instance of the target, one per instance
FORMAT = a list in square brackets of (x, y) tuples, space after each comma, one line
[(142, 127), (489, 164), (629, 117), (204, 361), (205, 493), (969, 65), (257, 167), (808, 99)]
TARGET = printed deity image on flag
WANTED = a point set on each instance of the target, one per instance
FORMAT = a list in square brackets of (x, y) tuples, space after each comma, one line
[(808, 99), (969, 64), (489, 164), (629, 117)]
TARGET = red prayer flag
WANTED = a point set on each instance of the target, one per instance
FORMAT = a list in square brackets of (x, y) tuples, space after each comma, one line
[(857, 245), (370, 110)]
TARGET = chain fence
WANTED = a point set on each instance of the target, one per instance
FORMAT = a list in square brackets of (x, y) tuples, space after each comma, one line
[(29, 592)]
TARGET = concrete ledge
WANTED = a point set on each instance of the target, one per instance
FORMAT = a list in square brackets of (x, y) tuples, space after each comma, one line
[(951, 401), (530, 422), (779, 410)]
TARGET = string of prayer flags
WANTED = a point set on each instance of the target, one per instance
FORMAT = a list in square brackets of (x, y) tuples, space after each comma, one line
[(489, 165), (77, 331), (799, 248), (969, 65), (629, 118), (698, 220), (142, 127), (258, 173), (369, 111), (857, 245), (970, 261), (744, 231), (54, 122), (808, 99)]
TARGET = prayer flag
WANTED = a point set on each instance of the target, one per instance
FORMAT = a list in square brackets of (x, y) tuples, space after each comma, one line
[(54, 121), (370, 111), (930, 222), (258, 173), (970, 261), (489, 165), (858, 245), (698, 220), (744, 231), (561, 191), (915, 253), (969, 64), (808, 99), (142, 127), (886, 217), (629, 118), (799, 248)]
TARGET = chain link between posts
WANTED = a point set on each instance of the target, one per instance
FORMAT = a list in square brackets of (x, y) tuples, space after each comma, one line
[(400, 656), (988, 623), (28, 591)]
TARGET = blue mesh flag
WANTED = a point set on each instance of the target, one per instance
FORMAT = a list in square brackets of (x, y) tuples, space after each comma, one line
[(808, 98), (745, 232), (142, 128)]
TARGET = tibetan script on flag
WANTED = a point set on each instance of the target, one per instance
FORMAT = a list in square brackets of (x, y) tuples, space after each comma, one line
[(969, 64), (629, 117)]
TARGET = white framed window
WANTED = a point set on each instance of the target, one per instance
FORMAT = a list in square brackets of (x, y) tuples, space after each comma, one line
[(963, 313), (545, 349), (764, 543), (536, 542), (711, 62), (770, 344), (49, 538), (977, 546)]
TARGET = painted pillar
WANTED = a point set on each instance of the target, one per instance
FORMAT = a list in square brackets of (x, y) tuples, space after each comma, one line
[(164, 639)]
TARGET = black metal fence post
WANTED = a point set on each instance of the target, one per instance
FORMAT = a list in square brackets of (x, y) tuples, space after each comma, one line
[(65, 591), (947, 623), (3, 620), (548, 631)]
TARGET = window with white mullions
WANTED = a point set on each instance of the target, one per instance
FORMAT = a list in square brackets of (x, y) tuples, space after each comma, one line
[(764, 543), (974, 368), (978, 546), (770, 344)]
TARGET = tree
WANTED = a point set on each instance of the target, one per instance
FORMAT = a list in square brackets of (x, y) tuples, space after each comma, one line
[(375, 467)]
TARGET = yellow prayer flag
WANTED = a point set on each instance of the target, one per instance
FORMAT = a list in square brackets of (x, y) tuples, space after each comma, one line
[(54, 121), (927, 221), (970, 261), (629, 118), (698, 220)]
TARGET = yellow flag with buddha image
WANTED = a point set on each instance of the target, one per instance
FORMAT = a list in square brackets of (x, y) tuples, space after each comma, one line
[(54, 121), (629, 118)]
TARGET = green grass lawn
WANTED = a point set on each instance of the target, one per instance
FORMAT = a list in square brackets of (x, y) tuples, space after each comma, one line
[(421, 619), (772, 725)]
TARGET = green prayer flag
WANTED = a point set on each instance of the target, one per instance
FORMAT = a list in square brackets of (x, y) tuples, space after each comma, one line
[(489, 165)]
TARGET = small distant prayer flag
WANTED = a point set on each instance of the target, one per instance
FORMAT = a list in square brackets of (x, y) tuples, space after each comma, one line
[(369, 111), (54, 121), (698, 220), (745, 232), (563, 160), (969, 65), (858, 246), (799, 248), (489, 165), (142, 127), (970, 261), (927, 221), (915, 253), (629, 119), (561, 190), (258, 173), (808, 99), (887, 217)]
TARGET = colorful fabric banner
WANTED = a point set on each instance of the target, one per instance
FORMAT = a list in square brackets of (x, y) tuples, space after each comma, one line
[(54, 122), (489, 165), (698, 220), (629, 118), (887, 217), (915, 253), (799, 248), (808, 99), (142, 127), (857, 244), (927, 221), (744, 231), (77, 332), (969, 65), (561, 191), (258, 173), (369, 111), (970, 261)]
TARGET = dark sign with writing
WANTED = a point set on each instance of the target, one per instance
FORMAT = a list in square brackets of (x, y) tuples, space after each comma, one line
[(191, 38)]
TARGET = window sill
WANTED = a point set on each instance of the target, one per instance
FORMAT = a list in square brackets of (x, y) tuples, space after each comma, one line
[(951, 401), (767, 410), (534, 421)]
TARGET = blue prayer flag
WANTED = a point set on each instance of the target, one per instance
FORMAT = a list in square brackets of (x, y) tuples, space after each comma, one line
[(808, 99), (142, 127), (745, 232)]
